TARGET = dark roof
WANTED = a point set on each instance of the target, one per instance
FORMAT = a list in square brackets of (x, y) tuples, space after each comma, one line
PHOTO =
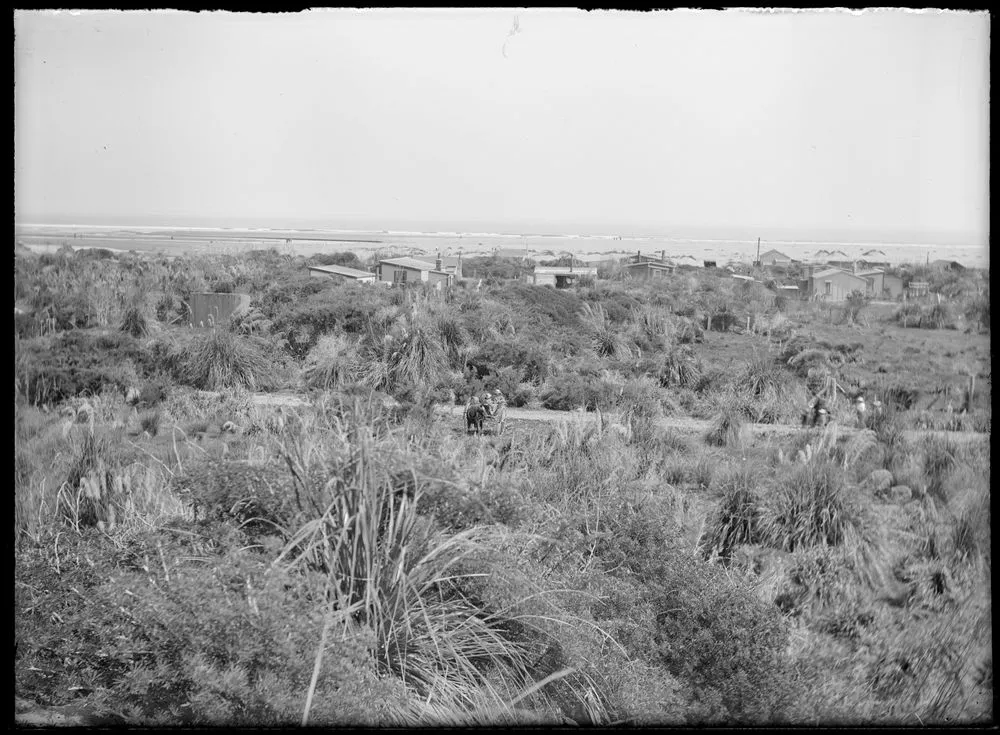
[(835, 271), (413, 264), (651, 264), (340, 270)]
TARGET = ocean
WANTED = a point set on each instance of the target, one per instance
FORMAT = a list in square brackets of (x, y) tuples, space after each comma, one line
[(537, 245)]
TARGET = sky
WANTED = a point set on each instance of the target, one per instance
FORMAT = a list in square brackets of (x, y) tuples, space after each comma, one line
[(866, 125)]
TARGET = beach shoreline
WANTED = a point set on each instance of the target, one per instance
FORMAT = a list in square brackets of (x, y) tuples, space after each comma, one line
[(308, 242)]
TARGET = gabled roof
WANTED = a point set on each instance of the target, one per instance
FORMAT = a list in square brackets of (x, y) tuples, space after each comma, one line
[(597, 258), (340, 270), (412, 263), (835, 271), (565, 270), (774, 252), (651, 264)]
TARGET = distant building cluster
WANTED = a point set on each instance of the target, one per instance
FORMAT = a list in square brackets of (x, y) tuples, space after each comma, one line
[(830, 276)]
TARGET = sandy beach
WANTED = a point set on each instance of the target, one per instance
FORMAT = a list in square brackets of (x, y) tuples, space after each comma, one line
[(179, 240)]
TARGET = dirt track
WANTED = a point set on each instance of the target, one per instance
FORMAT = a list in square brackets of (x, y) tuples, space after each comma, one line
[(687, 425), (681, 424)]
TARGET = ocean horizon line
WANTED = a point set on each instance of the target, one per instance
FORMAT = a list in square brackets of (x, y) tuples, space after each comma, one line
[(613, 237)]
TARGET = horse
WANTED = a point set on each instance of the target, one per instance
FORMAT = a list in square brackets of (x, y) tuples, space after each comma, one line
[(475, 415)]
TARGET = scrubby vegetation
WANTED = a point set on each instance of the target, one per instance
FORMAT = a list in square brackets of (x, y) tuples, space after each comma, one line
[(188, 553)]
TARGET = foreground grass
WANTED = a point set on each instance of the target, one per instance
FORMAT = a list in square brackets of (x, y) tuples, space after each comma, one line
[(356, 567), (190, 557)]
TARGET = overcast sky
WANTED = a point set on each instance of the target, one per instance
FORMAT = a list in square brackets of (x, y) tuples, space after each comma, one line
[(868, 125)]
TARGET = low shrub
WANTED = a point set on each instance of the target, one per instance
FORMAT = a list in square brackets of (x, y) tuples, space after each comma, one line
[(718, 636)]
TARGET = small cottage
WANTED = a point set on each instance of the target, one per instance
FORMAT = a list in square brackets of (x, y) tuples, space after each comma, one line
[(774, 257), (561, 276), (341, 273), (409, 271), (641, 267), (831, 284)]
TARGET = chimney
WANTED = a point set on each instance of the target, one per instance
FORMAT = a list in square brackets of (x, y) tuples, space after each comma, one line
[(663, 256), (437, 263)]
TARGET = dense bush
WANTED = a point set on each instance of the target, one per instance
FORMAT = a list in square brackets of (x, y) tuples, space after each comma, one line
[(559, 307), (201, 637), (531, 362), (720, 637), (568, 391), (339, 307), (53, 369), (347, 260), (66, 310), (257, 498), (708, 630)]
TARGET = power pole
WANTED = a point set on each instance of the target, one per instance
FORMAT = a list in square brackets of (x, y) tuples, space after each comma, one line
[(757, 263)]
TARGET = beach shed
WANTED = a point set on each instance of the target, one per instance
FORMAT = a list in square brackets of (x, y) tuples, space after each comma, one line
[(410, 271), (214, 309), (788, 291), (341, 273), (648, 271), (947, 265), (875, 280), (641, 267), (561, 276), (892, 286), (831, 284), (774, 257)]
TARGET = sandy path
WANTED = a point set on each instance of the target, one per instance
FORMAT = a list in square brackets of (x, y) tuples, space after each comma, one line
[(687, 425), (681, 424)]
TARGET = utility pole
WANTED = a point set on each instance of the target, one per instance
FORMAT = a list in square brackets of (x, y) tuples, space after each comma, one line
[(757, 262)]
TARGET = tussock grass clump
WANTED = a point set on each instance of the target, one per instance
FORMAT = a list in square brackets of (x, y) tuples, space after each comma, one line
[(761, 377), (607, 338), (410, 355), (220, 359), (971, 532), (150, 421), (729, 427), (680, 367), (135, 317), (940, 458), (812, 505), (737, 516), (330, 363)]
